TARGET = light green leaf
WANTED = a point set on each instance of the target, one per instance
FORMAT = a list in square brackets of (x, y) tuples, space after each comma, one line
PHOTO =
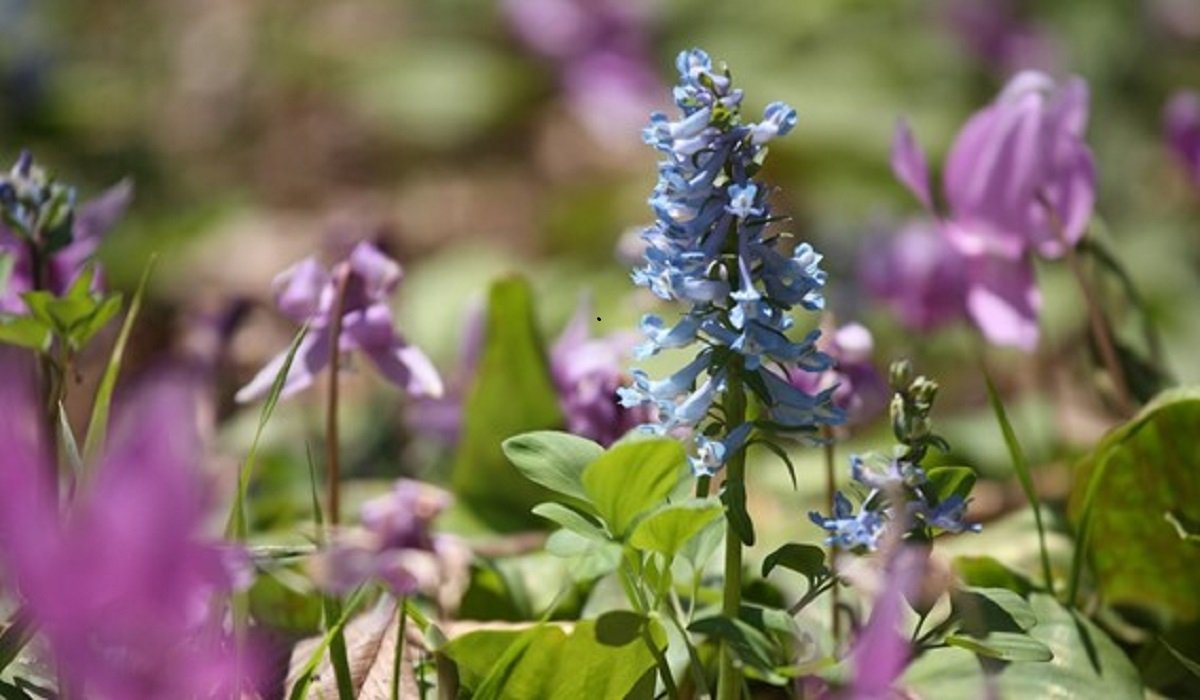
[(984, 610), (1138, 472), (570, 519), (950, 481), (25, 331), (1086, 664), (1006, 646), (588, 557), (512, 394), (553, 459), (668, 529), (631, 479)]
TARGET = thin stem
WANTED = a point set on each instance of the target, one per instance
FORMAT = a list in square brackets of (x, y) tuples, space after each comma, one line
[(664, 668), (702, 484), (830, 450), (397, 660), (729, 681), (675, 613), (1102, 335), (332, 463)]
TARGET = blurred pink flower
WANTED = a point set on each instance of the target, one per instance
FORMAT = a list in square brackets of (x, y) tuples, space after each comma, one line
[(307, 293), (1019, 180), (1182, 122), (880, 652), (861, 390), (996, 34), (120, 585), (917, 273)]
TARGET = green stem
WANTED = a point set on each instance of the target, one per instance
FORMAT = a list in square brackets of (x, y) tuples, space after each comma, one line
[(664, 668), (397, 660), (675, 612), (337, 646), (338, 655), (835, 620), (729, 681)]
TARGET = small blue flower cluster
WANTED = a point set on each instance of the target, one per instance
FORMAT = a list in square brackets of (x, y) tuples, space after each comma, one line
[(892, 481), (30, 200), (710, 249)]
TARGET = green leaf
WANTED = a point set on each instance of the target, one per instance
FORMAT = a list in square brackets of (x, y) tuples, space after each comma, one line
[(1086, 664), (1191, 666), (570, 519), (605, 658), (512, 394), (805, 559), (669, 528), (1122, 491), (25, 331), (1006, 646), (945, 482), (1021, 467), (985, 610), (93, 443), (588, 557), (631, 479), (733, 495), (283, 608), (988, 572), (85, 329), (553, 459), (750, 645)]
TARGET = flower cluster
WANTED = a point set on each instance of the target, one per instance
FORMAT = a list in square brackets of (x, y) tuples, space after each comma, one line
[(46, 236), (358, 289), (1019, 181), (897, 482), (710, 249), (1183, 132)]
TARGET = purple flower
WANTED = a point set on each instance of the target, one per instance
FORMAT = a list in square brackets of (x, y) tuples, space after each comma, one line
[(120, 587), (587, 373), (397, 547), (92, 221), (858, 387), (1182, 121), (307, 293), (880, 652), (917, 274), (601, 50), (1018, 180), (994, 32)]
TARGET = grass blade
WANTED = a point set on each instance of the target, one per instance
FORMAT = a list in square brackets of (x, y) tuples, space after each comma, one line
[(1084, 531), (14, 638), (1023, 474), (338, 654), (300, 689), (235, 526), (93, 443)]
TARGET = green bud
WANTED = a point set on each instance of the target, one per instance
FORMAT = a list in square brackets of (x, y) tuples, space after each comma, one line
[(900, 375)]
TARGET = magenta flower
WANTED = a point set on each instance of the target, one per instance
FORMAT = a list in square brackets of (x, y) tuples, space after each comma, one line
[(917, 274), (120, 586), (92, 221), (860, 389), (880, 652), (1182, 121), (308, 293), (996, 34), (587, 372), (1019, 180)]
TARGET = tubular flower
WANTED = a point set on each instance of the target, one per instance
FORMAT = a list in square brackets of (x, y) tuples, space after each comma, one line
[(710, 250), (858, 387), (308, 293), (1019, 180)]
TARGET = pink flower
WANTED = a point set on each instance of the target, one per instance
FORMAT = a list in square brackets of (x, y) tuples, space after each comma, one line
[(1182, 122), (120, 585), (307, 293)]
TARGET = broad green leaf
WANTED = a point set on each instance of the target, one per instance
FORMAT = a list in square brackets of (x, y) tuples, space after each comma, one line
[(668, 529), (950, 481), (988, 572), (805, 559), (588, 557), (93, 442), (750, 645), (605, 658), (85, 329), (1006, 646), (1122, 492), (553, 459), (1086, 664), (283, 608), (631, 479), (512, 394), (985, 610), (25, 331), (570, 519)]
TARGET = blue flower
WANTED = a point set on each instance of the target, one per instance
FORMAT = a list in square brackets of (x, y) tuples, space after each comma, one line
[(709, 249), (847, 530), (711, 454), (948, 515)]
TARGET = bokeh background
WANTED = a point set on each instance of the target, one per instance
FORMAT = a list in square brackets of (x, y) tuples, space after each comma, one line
[(474, 139)]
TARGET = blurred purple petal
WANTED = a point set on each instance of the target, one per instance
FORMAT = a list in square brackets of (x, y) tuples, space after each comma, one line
[(908, 164), (301, 291), (917, 273), (311, 357), (1182, 122), (881, 653), (1003, 301)]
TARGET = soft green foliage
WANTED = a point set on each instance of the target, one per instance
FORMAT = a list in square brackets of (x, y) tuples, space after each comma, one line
[(1124, 491), (75, 317), (668, 529), (632, 478), (553, 459), (512, 393), (604, 658), (1086, 664)]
